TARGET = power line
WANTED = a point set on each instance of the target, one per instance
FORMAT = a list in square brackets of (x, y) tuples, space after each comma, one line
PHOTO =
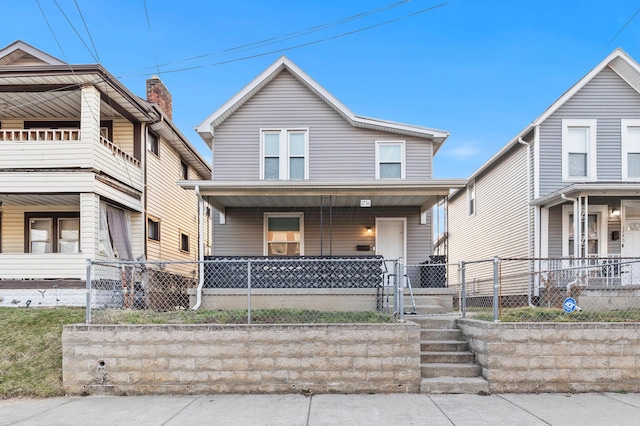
[(153, 46), (76, 31), (298, 46), (87, 30), (621, 29), (285, 37)]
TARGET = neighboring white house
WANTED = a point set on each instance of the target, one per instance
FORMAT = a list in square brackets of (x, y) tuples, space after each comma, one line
[(579, 159), (87, 171)]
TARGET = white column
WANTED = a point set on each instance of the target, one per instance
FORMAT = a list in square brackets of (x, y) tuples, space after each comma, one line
[(89, 224), (90, 114)]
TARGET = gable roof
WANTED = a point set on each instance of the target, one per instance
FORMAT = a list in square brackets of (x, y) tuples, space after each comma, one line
[(205, 129), (18, 52), (618, 60)]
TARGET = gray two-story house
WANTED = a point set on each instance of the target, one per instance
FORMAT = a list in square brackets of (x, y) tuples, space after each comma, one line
[(296, 173), (579, 159)]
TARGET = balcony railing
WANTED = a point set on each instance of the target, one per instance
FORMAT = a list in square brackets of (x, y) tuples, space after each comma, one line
[(44, 135), (19, 135)]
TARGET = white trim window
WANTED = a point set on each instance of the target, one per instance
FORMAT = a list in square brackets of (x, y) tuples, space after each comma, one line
[(579, 150), (596, 230), (630, 149), (471, 198), (284, 234), (390, 160), (284, 154)]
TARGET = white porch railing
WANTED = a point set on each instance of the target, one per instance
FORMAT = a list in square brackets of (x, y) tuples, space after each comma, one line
[(117, 151), (24, 135)]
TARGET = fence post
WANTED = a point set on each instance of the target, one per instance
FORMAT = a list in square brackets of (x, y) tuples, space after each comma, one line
[(496, 284), (463, 296), (248, 292), (87, 309), (400, 291)]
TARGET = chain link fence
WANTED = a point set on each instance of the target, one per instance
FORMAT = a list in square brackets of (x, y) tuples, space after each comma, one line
[(564, 289), (241, 290)]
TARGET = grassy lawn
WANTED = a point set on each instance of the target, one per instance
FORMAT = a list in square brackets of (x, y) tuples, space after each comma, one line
[(557, 315), (31, 350)]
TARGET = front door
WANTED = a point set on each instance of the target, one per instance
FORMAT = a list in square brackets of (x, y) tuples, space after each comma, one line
[(390, 239), (630, 239)]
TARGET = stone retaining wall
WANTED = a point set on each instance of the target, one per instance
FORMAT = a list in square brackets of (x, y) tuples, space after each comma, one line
[(556, 357), (197, 359)]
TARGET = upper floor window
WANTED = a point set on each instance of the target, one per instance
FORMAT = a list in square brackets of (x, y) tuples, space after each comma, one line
[(630, 149), (284, 154), (153, 143), (471, 198), (184, 170), (579, 150), (184, 242), (390, 160)]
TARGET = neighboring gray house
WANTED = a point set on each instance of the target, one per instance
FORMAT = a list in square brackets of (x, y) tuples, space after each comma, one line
[(296, 173), (580, 158)]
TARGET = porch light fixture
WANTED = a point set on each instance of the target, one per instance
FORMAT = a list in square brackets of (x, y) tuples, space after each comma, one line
[(615, 212), (369, 230)]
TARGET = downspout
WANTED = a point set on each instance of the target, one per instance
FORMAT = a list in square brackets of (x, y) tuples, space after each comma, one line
[(529, 244), (200, 249)]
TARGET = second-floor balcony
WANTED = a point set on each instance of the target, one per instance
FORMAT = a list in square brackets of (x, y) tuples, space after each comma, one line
[(65, 149)]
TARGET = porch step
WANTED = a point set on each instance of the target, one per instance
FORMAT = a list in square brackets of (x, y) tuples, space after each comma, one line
[(443, 345), (440, 334), (449, 369), (467, 385), (447, 357)]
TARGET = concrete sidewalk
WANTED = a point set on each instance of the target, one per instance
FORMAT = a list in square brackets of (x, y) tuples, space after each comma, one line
[(382, 409)]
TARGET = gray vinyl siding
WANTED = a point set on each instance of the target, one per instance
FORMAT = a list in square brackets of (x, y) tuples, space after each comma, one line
[(499, 226), (606, 98), (337, 150), (243, 232), (555, 231)]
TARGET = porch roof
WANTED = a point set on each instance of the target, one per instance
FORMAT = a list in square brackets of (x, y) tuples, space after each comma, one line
[(304, 193), (608, 189)]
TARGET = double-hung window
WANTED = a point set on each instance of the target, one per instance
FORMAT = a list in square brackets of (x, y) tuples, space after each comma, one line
[(579, 150), (595, 232), (284, 154), (284, 234), (471, 198), (52, 233), (390, 160), (630, 149)]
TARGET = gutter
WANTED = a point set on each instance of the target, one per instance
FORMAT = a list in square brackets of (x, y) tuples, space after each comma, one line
[(200, 249)]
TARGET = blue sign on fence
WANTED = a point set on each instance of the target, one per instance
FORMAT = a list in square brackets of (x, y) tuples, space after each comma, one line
[(569, 305)]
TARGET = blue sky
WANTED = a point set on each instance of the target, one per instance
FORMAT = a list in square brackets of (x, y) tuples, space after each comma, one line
[(481, 70)]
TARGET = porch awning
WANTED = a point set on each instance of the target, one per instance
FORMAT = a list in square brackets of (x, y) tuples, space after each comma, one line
[(304, 193), (609, 189)]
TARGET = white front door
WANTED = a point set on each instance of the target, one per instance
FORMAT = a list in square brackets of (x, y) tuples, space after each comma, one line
[(630, 238), (391, 239)]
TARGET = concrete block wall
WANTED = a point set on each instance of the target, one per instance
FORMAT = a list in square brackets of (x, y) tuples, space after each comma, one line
[(556, 357), (198, 359)]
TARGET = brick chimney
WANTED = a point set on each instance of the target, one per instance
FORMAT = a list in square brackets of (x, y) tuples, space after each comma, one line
[(158, 94)]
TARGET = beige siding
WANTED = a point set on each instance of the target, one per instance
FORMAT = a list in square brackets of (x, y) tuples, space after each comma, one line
[(174, 207), (45, 154), (89, 220), (337, 150), (243, 233), (43, 266), (499, 226), (123, 135)]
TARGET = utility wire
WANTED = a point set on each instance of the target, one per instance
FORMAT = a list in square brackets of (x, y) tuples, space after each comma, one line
[(76, 31), (285, 37), (621, 29), (298, 46), (153, 46), (86, 27)]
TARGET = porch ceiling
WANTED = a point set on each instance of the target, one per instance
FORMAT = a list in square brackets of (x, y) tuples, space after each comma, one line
[(601, 189), (39, 199), (54, 91), (295, 194)]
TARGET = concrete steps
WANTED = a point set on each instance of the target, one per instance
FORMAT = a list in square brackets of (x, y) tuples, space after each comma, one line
[(447, 365)]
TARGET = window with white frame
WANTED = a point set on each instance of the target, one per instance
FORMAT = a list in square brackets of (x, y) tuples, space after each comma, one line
[(579, 150), (630, 149), (471, 198), (595, 232), (390, 160), (284, 154), (284, 234)]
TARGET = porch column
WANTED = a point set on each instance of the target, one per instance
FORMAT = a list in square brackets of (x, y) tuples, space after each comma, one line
[(89, 224), (90, 114)]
